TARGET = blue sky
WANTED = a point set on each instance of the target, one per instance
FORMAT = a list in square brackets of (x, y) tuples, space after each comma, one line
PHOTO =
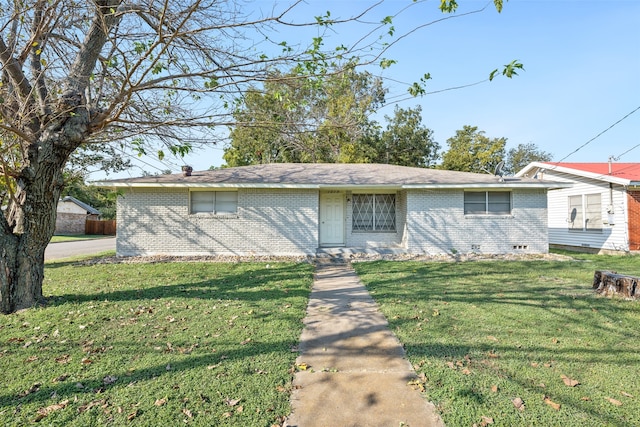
[(581, 60)]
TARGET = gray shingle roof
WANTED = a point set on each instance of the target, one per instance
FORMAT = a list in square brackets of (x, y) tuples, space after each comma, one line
[(88, 208), (329, 175)]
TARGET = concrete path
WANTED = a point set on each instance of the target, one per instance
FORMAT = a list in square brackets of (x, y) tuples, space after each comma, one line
[(80, 247), (356, 371)]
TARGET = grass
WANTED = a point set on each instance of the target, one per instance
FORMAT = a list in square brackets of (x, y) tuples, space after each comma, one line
[(75, 237), (155, 344), (483, 334)]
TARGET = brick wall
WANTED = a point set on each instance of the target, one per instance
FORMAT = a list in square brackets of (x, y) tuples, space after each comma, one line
[(436, 224), (70, 223), (277, 222), (285, 222)]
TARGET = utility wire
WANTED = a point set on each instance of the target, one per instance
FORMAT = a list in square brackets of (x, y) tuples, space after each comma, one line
[(598, 135)]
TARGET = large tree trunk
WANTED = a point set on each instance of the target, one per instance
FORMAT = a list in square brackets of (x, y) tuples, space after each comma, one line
[(31, 221)]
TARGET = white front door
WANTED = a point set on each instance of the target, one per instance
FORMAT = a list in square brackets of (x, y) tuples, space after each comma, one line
[(331, 219)]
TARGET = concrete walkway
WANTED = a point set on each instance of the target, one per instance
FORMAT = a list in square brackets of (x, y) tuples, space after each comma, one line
[(357, 374)]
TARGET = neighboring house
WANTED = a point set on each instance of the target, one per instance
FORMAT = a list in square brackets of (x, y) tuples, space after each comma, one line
[(600, 211), (72, 215), (296, 209)]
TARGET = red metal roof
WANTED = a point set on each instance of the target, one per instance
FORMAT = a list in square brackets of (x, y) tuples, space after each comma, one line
[(630, 171)]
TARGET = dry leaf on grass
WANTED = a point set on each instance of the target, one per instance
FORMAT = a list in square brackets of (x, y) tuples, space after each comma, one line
[(161, 402), (625, 394), (486, 421), (43, 412), (614, 401), (187, 413), (132, 415), (494, 388), (551, 403), (569, 382), (232, 402), (518, 403)]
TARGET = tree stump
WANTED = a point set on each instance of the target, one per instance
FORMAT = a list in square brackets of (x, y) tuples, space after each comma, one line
[(611, 283)]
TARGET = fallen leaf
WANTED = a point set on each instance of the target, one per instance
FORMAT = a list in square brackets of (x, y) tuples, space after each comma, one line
[(239, 409), (232, 402), (34, 388), (614, 401), (187, 413), (61, 378), (554, 340), (494, 388), (132, 415), (492, 338), (492, 355), (86, 361), (65, 358), (534, 364), (569, 382), (302, 366), (518, 403), (247, 341), (43, 412), (625, 394), (551, 403), (161, 402), (585, 398), (227, 414), (466, 371), (451, 365), (486, 421)]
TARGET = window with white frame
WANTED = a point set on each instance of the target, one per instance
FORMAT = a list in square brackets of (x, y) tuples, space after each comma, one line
[(374, 212), (487, 202), (585, 212), (214, 202)]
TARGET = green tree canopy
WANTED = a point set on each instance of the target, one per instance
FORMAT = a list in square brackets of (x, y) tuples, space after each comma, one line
[(522, 155), (295, 118), (406, 141), (471, 151)]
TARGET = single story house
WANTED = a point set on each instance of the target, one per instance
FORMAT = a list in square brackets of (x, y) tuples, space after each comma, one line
[(297, 209), (71, 215), (599, 212)]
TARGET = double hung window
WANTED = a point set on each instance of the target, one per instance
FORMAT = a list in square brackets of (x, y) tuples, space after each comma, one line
[(487, 202), (215, 202)]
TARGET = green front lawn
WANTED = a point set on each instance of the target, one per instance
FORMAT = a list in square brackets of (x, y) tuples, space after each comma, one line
[(162, 344), (485, 336)]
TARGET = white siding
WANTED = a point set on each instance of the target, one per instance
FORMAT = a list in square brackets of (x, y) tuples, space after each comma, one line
[(611, 237)]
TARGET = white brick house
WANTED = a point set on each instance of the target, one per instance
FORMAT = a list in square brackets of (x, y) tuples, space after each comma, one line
[(296, 209)]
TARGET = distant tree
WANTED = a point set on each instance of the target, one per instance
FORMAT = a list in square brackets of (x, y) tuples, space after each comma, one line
[(103, 199), (522, 155), (471, 151), (299, 118), (406, 141)]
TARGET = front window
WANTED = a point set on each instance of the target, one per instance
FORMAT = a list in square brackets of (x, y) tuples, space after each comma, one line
[(585, 212), (374, 212), (215, 202), (487, 202)]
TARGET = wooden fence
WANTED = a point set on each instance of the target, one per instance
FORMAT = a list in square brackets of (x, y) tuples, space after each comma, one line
[(105, 227)]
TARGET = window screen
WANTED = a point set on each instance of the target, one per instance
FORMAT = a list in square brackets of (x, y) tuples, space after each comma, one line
[(374, 212)]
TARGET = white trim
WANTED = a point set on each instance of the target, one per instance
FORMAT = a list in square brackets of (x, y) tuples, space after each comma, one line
[(572, 171), (355, 187)]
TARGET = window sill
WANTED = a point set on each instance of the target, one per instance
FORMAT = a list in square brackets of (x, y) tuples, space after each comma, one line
[(472, 216), (373, 231), (214, 215)]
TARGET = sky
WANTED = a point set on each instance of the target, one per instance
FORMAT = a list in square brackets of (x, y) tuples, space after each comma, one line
[(577, 98)]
